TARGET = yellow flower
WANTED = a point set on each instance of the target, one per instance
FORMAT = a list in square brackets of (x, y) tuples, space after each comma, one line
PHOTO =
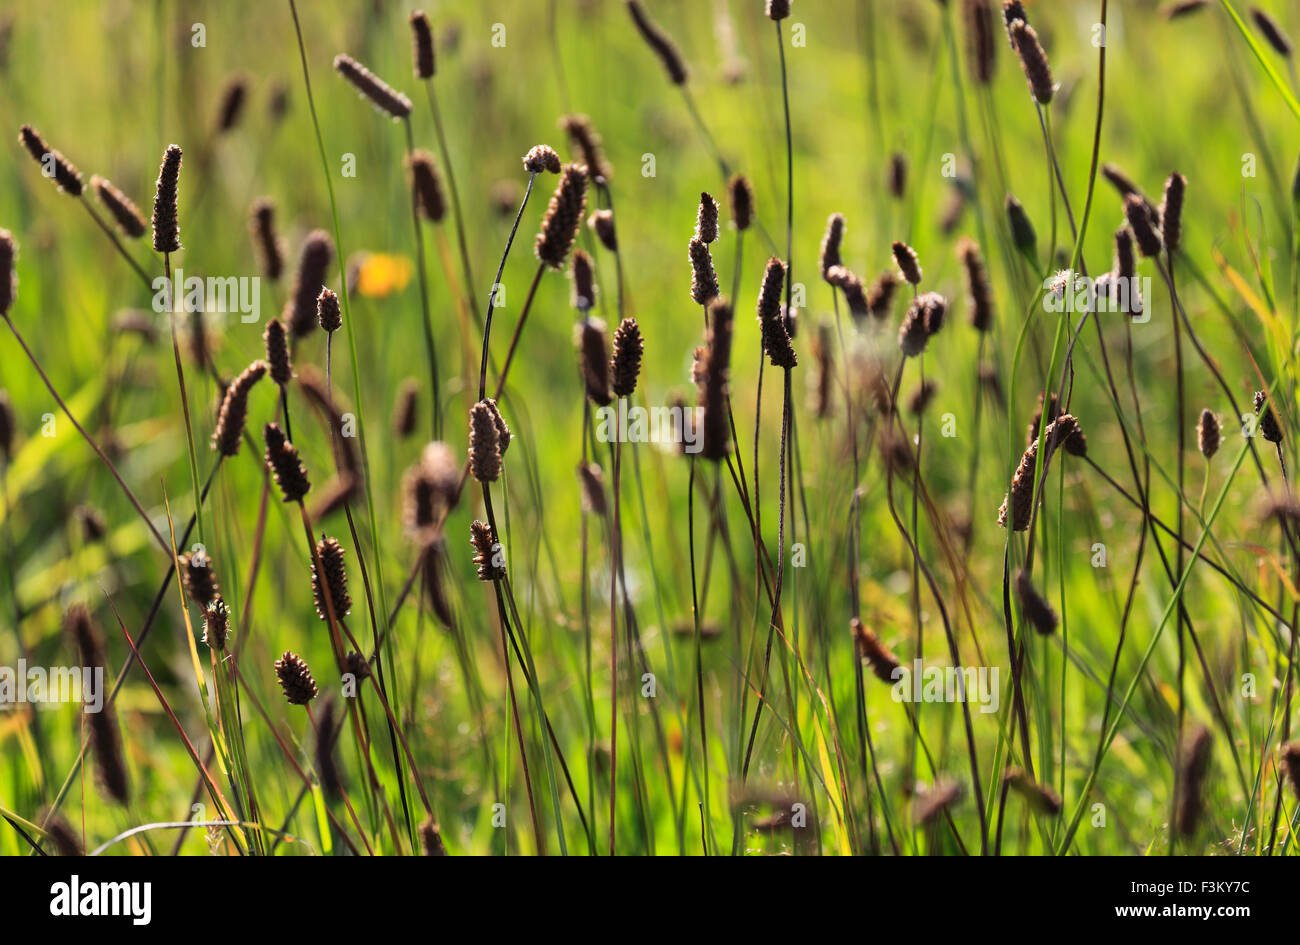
[(379, 275)]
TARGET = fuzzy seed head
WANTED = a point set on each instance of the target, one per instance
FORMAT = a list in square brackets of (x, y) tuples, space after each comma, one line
[(1272, 32), (199, 578), (270, 252), (166, 221), (1144, 228), (313, 268), (283, 461), (563, 217), (372, 88), (1171, 211), (328, 313), (422, 45), (1022, 231), (426, 186), (540, 158), (583, 276), (778, 9), (981, 41), (488, 558), (216, 625), (741, 192), (333, 591), (587, 141), (125, 213), (830, 254), (977, 285), (1268, 425), (625, 364), (295, 679), (602, 223), (909, 266), (659, 42), (1033, 60), (1208, 435), (1193, 767), (706, 220), (878, 656), (277, 352), (8, 272), (229, 431), (1034, 606), (704, 281), (775, 331), (53, 163), (484, 448), (593, 355)]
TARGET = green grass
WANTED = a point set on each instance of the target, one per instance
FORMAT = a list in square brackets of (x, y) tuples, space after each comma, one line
[(1205, 95)]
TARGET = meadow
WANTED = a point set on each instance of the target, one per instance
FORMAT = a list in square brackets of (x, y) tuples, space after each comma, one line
[(742, 427)]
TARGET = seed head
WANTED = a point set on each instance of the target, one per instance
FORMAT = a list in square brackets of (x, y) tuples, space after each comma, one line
[(1033, 60), (60, 833), (778, 9), (706, 220), (715, 372), (626, 362), (426, 186), (328, 314), (1175, 10), (869, 648), (909, 266), (106, 740), (587, 141), (592, 480), (851, 285), (378, 92), (593, 353), (1013, 10), (8, 274), (229, 431), (1022, 231), (742, 201), (422, 45), (931, 804), (776, 334), (335, 585), (563, 217), (484, 447), (659, 42), (404, 411), (582, 274), (1142, 225), (1171, 211), (980, 40), (166, 222), (331, 781), (1017, 509), (830, 256), (313, 268), (431, 838), (1208, 434), (880, 297), (1268, 426), (897, 175), (216, 624), (295, 679), (602, 223), (284, 463), (277, 351), (977, 285), (704, 281), (488, 557), (1039, 796), (199, 578), (270, 253), (232, 104), (1291, 761), (1125, 263), (1034, 606), (1192, 770), (540, 158), (123, 211), (65, 174), (1271, 31)]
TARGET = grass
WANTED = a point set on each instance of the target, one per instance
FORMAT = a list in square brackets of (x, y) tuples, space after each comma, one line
[(677, 675)]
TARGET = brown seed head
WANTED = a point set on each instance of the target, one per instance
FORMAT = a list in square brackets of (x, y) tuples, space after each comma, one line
[(981, 44), (53, 163), (216, 624), (931, 805), (602, 223), (587, 141), (431, 838), (232, 104), (977, 285), (880, 297), (897, 175), (1039, 796), (404, 411), (277, 351), (776, 334), (1268, 426), (778, 9), (166, 221), (1140, 222), (706, 219), (60, 833), (626, 361), (1034, 606), (199, 578), (270, 252), (593, 355), (1291, 762), (913, 333), (372, 88), (714, 373), (295, 679), (8, 273), (909, 266), (583, 276), (1018, 507), (426, 186), (1175, 10), (313, 268), (854, 291), (284, 463), (881, 659), (422, 45), (1033, 60), (229, 431), (830, 255), (328, 314), (592, 480), (488, 557), (1171, 211), (124, 212), (540, 158), (1207, 434), (742, 201), (330, 553), (1022, 230), (659, 42), (1271, 31), (563, 217), (484, 448), (704, 281), (1193, 767)]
